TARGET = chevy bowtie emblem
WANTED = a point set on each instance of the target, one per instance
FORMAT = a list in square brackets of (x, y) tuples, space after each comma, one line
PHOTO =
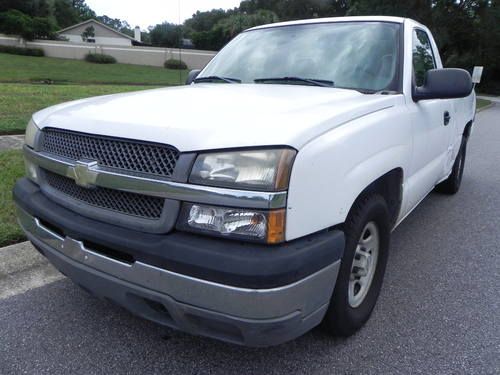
[(85, 173)]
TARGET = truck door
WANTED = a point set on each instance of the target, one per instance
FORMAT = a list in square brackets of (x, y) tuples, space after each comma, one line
[(432, 125)]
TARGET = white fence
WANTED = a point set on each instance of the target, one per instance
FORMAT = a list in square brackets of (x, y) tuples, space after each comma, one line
[(153, 56)]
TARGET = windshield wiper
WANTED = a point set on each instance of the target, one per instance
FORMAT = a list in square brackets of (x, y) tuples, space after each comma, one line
[(360, 90), (315, 82), (217, 78)]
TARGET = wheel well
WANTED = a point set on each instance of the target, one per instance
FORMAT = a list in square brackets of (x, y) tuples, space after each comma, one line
[(390, 187), (467, 130)]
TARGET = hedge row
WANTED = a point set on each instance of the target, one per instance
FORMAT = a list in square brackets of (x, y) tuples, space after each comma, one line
[(22, 51), (175, 64), (98, 58)]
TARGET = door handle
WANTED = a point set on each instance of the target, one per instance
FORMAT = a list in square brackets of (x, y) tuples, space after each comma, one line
[(446, 118)]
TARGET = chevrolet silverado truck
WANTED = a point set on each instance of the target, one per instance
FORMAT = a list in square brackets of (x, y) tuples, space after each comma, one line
[(258, 200)]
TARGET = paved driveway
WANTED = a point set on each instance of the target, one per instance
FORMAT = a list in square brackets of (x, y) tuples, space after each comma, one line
[(439, 311)]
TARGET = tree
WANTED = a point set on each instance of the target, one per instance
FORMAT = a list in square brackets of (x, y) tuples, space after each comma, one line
[(15, 22), (236, 23), (65, 14), (297, 9), (117, 24), (43, 28), (166, 35), (88, 33), (145, 37), (209, 40), (83, 10), (33, 8), (205, 21), (24, 6), (227, 28)]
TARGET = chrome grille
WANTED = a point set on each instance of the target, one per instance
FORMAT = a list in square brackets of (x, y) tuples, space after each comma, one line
[(129, 155), (143, 206)]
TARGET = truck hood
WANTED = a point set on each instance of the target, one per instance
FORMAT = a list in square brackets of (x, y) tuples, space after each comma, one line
[(211, 116)]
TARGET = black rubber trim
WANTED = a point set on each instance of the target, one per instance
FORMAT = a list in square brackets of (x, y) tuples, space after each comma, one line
[(240, 264)]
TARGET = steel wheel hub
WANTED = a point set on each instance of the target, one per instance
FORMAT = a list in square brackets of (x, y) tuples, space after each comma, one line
[(364, 264)]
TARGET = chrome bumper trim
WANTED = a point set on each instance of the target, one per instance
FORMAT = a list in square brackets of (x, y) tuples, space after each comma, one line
[(135, 183), (306, 295)]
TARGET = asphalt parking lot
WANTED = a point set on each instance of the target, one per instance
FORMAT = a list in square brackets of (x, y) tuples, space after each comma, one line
[(438, 313)]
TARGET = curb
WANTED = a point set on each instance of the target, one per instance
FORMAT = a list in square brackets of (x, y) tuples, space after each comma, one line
[(22, 269)]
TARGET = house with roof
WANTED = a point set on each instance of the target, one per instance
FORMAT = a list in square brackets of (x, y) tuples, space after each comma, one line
[(95, 32)]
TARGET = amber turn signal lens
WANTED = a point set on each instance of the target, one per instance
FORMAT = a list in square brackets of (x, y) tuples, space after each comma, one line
[(276, 226), (284, 169)]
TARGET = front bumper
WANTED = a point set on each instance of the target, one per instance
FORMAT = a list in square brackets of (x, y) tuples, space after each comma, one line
[(240, 314)]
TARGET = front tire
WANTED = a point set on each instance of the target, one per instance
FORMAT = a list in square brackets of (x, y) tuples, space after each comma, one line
[(367, 233)]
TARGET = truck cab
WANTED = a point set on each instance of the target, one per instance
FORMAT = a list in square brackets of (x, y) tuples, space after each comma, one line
[(258, 200)]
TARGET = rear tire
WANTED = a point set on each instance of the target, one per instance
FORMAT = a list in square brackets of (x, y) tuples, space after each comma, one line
[(452, 184), (367, 233)]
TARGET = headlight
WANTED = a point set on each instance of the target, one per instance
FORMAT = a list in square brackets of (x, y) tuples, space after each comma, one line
[(31, 133), (244, 224), (267, 170)]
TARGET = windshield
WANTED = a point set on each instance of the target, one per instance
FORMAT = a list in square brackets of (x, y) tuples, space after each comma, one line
[(356, 55)]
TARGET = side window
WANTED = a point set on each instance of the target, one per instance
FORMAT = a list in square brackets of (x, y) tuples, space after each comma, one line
[(423, 58)]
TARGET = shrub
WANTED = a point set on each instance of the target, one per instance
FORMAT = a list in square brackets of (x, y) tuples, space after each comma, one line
[(22, 51), (99, 58), (175, 64)]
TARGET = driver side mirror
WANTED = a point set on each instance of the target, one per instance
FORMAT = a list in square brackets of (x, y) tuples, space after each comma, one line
[(192, 76), (449, 83)]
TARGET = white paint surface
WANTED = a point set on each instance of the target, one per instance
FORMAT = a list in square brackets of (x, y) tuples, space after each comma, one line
[(345, 139)]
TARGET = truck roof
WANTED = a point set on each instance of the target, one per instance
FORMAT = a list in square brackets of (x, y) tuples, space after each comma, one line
[(335, 19)]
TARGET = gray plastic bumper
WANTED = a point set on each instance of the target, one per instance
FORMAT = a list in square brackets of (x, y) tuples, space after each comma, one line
[(252, 317)]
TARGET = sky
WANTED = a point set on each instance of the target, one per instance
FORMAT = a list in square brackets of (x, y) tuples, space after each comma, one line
[(144, 13)]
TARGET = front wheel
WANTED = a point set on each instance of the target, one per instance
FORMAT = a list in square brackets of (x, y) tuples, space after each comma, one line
[(367, 233)]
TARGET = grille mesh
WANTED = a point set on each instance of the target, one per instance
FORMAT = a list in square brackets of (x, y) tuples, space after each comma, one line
[(111, 152), (126, 203)]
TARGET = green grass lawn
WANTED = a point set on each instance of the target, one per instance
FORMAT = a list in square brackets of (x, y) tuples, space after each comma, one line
[(19, 101), (480, 103), (12, 169), (22, 91), (28, 69)]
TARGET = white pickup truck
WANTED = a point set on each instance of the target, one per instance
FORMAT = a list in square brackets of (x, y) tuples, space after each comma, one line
[(258, 200)]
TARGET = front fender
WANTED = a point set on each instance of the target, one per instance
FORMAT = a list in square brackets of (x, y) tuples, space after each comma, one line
[(331, 171)]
